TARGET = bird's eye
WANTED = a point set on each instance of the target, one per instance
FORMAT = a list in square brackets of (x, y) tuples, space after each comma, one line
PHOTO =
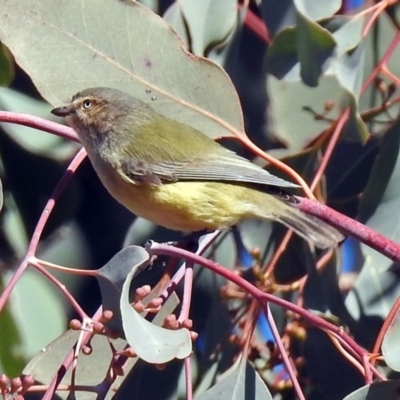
[(87, 104)]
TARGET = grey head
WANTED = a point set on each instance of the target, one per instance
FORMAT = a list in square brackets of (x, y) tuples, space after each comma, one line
[(101, 109)]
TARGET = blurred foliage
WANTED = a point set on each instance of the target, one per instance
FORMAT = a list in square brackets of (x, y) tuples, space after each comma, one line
[(296, 67)]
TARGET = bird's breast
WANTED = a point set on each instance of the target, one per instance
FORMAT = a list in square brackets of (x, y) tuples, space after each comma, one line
[(184, 206)]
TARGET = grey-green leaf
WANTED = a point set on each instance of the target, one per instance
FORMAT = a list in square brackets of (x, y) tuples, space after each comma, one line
[(239, 382), (7, 70), (377, 391), (150, 342), (316, 10), (377, 286), (66, 46), (315, 45), (112, 276), (391, 345), (207, 23)]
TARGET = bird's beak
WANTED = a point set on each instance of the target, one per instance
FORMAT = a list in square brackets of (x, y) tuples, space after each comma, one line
[(62, 111)]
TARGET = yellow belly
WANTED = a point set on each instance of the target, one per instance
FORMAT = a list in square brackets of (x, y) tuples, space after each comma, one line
[(188, 206), (194, 206)]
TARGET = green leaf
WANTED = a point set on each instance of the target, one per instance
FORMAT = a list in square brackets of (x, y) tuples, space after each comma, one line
[(329, 47), (11, 358), (31, 316), (292, 123), (239, 382), (346, 30), (316, 10), (209, 23), (377, 286), (376, 391), (315, 45), (174, 17), (7, 70), (150, 342), (111, 278), (382, 189), (355, 128), (281, 59), (67, 46), (33, 140), (391, 344), (92, 368), (349, 71)]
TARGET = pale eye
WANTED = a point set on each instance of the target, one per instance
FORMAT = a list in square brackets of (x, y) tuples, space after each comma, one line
[(87, 104)]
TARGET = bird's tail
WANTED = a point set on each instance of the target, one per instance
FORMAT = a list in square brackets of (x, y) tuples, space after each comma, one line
[(311, 228), (307, 226)]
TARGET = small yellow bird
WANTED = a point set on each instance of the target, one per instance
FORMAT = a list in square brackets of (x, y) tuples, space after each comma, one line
[(176, 176)]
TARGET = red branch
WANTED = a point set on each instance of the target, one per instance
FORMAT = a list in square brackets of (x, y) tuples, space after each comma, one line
[(352, 228)]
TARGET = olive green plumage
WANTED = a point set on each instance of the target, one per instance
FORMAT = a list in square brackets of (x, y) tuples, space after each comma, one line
[(176, 176)]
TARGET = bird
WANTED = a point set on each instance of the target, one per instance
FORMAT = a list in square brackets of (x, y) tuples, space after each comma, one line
[(175, 175)]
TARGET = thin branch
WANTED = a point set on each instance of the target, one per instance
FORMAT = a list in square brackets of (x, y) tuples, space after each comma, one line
[(353, 228), (39, 123), (258, 294), (285, 357)]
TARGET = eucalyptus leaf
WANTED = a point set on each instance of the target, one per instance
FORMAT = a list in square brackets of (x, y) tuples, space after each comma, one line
[(278, 15), (240, 382), (355, 128), (391, 344), (209, 23), (349, 71), (35, 141), (376, 391), (382, 172), (174, 17), (346, 30), (281, 59), (91, 369), (31, 316), (330, 369), (11, 358), (321, 291), (150, 342), (377, 286), (292, 123), (67, 46), (111, 278), (316, 10), (7, 70), (315, 46)]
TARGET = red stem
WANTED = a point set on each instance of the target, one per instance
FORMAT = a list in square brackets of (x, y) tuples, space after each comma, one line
[(39, 123), (258, 294), (351, 227), (282, 350)]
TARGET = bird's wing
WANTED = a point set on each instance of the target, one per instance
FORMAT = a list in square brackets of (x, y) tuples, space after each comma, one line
[(226, 166)]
